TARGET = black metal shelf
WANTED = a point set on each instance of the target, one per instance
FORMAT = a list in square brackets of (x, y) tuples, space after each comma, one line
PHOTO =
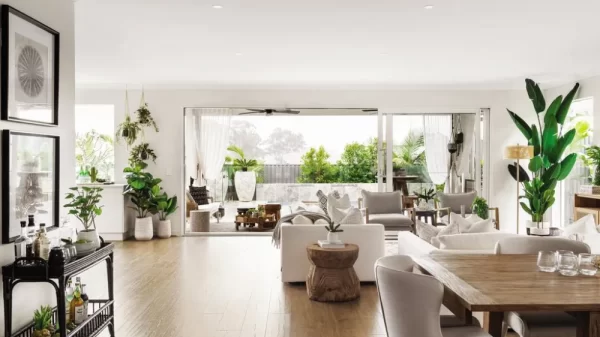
[(38, 270)]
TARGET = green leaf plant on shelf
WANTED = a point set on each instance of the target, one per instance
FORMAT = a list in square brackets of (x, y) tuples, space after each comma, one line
[(550, 141), (481, 208)]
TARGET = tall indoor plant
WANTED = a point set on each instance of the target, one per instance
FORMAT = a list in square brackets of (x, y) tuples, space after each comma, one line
[(245, 178), (142, 188), (549, 141), (83, 204), (165, 207), (593, 155)]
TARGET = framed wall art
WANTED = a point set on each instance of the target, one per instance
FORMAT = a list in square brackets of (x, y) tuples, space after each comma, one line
[(30, 181), (29, 69)]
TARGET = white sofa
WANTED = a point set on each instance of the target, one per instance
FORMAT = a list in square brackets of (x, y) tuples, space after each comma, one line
[(470, 243), (294, 239)]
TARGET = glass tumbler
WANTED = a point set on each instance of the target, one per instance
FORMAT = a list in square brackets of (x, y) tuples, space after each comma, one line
[(547, 261), (587, 264), (567, 264)]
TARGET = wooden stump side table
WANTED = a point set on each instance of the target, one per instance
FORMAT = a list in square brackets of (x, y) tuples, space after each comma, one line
[(332, 277)]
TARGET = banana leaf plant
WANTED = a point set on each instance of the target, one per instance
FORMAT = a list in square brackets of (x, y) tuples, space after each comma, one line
[(550, 141)]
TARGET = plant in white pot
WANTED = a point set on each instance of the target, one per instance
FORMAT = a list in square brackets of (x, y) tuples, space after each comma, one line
[(333, 231), (245, 177), (165, 207), (83, 204), (142, 188)]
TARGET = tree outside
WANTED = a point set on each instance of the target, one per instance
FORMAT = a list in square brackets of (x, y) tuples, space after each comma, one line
[(316, 168), (93, 149), (358, 164), (282, 142)]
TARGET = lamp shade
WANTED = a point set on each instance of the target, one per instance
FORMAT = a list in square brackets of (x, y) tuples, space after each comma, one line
[(518, 152)]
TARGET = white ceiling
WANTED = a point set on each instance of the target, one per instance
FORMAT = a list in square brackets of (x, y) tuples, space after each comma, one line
[(366, 44)]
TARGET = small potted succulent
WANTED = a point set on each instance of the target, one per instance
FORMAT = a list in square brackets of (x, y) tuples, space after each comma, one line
[(42, 323), (83, 204), (165, 207), (481, 208), (332, 233)]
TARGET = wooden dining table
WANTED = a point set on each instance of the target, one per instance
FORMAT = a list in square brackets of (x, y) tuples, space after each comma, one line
[(502, 283)]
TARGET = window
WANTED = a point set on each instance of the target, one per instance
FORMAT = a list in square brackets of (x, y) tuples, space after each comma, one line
[(94, 144)]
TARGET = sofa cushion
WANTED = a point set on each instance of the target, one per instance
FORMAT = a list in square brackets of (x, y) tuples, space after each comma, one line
[(323, 199), (426, 231), (300, 206), (585, 226), (321, 222), (455, 200), (449, 230), (382, 202), (473, 241), (472, 224), (199, 194), (301, 220), (391, 220), (353, 217)]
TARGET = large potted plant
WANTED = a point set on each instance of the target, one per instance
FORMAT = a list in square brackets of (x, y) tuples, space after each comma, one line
[(593, 155), (142, 188), (165, 207), (83, 204), (245, 178), (549, 165)]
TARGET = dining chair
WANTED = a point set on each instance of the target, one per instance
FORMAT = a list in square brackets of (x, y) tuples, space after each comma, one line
[(411, 302), (531, 323)]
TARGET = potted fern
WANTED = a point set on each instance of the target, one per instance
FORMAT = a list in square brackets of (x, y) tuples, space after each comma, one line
[(333, 231), (165, 207), (245, 178)]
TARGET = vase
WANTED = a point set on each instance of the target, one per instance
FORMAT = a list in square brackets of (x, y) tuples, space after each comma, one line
[(333, 237), (245, 184), (424, 206), (90, 235), (144, 229), (538, 227), (164, 229)]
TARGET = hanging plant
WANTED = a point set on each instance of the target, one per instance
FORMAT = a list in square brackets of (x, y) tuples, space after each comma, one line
[(128, 131), (144, 117), (140, 154)]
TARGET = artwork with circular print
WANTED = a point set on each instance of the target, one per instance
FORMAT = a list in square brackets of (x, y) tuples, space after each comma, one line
[(30, 71)]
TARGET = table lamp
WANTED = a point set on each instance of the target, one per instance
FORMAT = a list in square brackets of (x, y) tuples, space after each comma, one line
[(518, 152)]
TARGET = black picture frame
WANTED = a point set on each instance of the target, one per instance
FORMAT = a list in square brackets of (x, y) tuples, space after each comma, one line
[(5, 59), (7, 194)]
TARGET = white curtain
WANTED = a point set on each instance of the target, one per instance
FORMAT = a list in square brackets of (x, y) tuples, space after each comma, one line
[(437, 132), (207, 133)]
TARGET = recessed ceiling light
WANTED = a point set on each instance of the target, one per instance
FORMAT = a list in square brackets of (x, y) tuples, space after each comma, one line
[(217, 6), (429, 7)]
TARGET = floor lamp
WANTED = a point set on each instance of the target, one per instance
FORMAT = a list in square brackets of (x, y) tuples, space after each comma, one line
[(518, 152)]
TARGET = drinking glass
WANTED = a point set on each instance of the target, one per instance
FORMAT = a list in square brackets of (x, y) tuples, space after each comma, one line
[(567, 264), (587, 264), (546, 261)]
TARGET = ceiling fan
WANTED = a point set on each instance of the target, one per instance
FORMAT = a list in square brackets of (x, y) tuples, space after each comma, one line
[(270, 112)]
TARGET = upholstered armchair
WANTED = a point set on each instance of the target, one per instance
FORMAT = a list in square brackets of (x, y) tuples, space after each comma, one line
[(385, 208), (447, 203)]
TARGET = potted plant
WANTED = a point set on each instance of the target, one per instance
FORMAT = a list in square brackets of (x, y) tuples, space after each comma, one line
[(245, 178), (424, 197), (332, 233), (83, 204), (93, 174), (549, 164), (128, 131), (42, 322), (144, 117), (165, 207), (140, 153), (142, 188), (481, 208), (593, 155)]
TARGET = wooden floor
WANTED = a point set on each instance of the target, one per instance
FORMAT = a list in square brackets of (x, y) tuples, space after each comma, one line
[(225, 286)]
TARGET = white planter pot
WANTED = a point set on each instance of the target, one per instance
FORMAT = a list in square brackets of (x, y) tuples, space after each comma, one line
[(333, 237), (144, 229), (245, 185), (164, 229), (538, 228), (90, 235), (424, 206)]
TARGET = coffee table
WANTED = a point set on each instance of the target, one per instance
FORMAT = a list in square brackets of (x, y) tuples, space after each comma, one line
[(332, 277)]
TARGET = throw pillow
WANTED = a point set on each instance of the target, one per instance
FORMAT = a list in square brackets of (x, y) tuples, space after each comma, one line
[(323, 199), (473, 218), (301, 220), (455, 200), (426, 231), (462, 223), (321, 222), (449, 230), (200, 194), (473, 241), (483, 226), (353, 217), (585, 225), (334, 202), (300, 206)]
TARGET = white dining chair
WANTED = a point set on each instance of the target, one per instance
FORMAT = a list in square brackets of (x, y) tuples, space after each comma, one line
[(539, 324), (411, 302)]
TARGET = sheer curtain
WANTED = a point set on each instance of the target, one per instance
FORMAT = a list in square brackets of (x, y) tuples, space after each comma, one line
[(207, 132), (437, 132)]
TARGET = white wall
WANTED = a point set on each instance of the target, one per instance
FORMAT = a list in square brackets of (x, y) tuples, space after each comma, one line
[(58, 14), (167, 107)]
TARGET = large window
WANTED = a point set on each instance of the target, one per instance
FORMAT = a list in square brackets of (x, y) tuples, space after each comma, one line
[(94, 145)]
